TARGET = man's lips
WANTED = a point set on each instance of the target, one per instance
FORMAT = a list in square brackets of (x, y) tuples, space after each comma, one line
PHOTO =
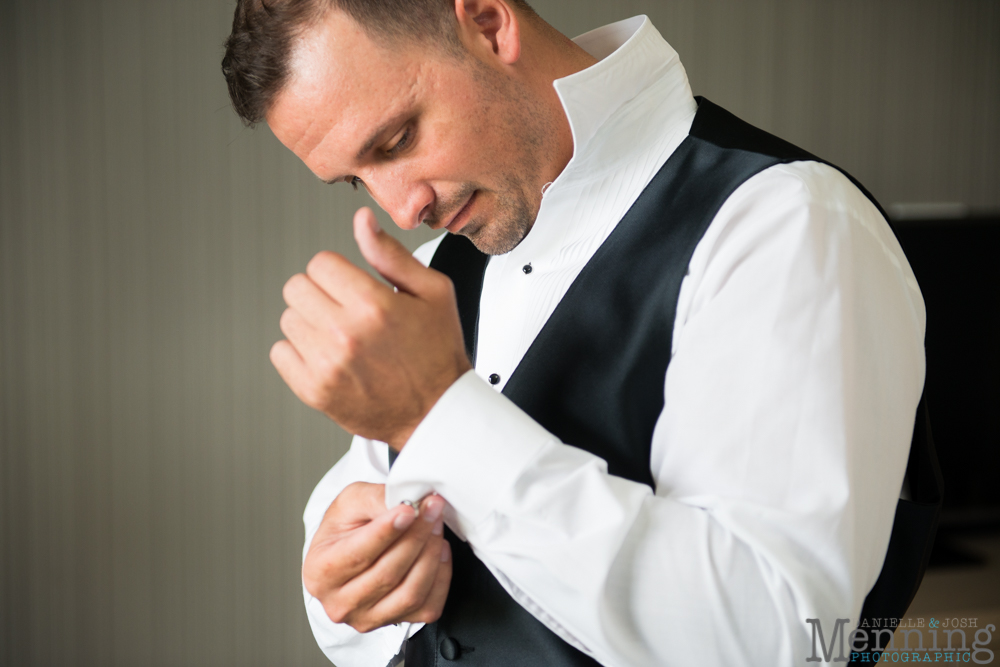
[(460, 218)]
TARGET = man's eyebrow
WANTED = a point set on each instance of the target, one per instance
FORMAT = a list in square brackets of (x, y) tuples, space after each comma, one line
[(398, 119), (372, 139), (370, 143)]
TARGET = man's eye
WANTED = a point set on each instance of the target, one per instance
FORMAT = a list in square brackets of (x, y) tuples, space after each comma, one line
[(354, 182), (402, 143)]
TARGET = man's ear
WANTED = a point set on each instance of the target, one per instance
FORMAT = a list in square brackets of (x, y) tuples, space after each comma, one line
[(491, 24)]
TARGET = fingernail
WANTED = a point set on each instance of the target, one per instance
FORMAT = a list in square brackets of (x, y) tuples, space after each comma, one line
[(438, 528), (445, 553), (433, 508), (373, 224), (403, 520)]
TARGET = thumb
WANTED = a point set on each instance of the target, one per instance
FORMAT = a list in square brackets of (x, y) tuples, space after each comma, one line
[(388, 256), (358, 504)]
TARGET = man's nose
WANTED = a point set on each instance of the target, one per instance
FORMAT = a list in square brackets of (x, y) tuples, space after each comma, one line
[(409, 204)]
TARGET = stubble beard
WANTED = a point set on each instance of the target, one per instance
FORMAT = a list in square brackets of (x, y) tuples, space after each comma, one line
[(510, 221), (517, 199)]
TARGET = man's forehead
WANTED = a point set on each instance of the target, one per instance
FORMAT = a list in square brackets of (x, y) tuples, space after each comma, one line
[(340, 86), (328, 47)]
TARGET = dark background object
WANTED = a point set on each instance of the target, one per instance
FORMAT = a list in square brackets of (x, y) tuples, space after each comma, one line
[(956, 264)]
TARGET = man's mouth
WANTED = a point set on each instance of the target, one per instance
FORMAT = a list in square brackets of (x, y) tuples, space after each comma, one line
[(462, 216)]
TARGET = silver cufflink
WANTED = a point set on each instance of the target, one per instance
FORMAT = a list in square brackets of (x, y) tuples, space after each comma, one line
[(416, 508)]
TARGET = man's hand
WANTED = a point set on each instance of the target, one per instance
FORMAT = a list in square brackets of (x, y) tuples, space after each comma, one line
[(373, 359), (371, 567)]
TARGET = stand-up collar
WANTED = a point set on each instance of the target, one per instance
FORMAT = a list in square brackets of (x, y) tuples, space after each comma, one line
[(628, 112), (632, 57)]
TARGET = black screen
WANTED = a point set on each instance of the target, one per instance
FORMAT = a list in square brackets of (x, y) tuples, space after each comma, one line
[(957, 264)]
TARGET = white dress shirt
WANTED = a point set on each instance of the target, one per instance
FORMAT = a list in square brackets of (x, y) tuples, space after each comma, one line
[(797, 364)]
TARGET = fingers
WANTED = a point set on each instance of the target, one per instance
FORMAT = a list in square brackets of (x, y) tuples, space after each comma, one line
[(434, 602), (355, 506), (320, 351), (314, 304), (411, 599), (398, 582), (299, 358), (293, 370), (342, 281), (306, 338), (390, 569), (336, 559), (390, 258)]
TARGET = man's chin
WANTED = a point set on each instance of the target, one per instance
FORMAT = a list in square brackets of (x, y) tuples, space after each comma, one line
[(495, 239)]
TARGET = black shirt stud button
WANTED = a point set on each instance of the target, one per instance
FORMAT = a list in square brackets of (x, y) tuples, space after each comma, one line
[(526, 268), (494, 378), (450, 649)]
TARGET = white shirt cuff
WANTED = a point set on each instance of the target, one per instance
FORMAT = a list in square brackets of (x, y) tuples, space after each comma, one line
[(346, 647), (470, 449)]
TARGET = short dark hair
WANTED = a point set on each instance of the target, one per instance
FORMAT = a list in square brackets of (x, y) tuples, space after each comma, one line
[(258, 49)]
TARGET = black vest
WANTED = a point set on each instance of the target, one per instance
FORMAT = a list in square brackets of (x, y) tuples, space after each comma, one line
[(594, 378)]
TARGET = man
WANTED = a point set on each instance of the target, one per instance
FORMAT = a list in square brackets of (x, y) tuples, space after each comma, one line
[(697, 351)]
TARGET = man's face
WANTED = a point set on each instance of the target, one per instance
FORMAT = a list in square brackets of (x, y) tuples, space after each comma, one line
[(439, 139)]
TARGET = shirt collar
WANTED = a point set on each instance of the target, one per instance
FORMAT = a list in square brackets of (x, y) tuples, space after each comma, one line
[(627, 113), (632, 55)]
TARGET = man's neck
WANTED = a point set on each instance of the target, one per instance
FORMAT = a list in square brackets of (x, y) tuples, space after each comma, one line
[(549, 55)]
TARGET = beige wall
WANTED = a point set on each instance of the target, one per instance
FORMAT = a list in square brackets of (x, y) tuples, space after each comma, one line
[(153, 468)]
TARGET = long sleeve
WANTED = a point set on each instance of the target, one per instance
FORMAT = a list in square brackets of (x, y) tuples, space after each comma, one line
[(778, 458), (365, 461)]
